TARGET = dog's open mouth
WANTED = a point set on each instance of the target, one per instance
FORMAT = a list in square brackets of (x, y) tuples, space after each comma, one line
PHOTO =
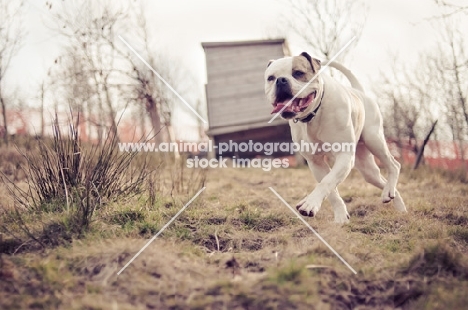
[(296, 106)]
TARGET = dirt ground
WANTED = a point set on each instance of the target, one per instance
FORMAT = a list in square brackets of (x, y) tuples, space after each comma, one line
[(237, 246)]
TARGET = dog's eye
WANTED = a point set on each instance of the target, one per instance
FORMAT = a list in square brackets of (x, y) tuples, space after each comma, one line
[(298, 74), (271, 78)]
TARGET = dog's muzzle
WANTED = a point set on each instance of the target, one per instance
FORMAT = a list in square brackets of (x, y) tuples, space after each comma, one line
[(283, 90), (296, 106)]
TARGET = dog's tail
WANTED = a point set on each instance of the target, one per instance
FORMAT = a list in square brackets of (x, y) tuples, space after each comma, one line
[(349, 75)]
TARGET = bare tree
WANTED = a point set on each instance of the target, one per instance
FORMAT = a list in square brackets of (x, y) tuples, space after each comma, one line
[(326, 25), (148, 89), (453, 67), (409, 101), (96, 59), (435, 88), (451, 9), (452, 59), (11, 37), (88, 60)]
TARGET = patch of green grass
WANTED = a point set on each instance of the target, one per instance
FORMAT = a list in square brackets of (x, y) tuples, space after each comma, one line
[(258, 221), (460, 233), (363, 227), (183, 233), (398, 245), (250, 219), (292, 272), (123, 217), (55, 205), (148, 228), (435, 232), (215, 219)]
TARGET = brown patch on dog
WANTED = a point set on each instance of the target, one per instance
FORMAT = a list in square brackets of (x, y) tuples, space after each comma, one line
[(306, 64), (301, 64), (314, 63)]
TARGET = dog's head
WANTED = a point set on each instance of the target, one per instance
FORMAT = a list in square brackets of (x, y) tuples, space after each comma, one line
[(285, 77)]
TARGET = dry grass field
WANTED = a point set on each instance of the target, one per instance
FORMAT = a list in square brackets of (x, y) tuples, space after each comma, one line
[(237, 246)]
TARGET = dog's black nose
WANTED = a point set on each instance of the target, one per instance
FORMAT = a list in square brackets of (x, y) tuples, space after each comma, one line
[(283, 89), (281, 81)]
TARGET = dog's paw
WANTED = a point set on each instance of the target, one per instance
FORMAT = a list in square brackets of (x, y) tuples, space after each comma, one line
[(388, 194), (306, 208), (342, 218), (300, 203)]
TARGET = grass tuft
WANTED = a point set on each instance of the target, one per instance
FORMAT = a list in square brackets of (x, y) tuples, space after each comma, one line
[(65, 178)]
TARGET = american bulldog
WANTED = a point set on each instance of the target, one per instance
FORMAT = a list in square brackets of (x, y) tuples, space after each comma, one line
[(322, 111)]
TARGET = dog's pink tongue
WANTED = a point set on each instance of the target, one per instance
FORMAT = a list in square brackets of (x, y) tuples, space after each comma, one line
[(278, 108)]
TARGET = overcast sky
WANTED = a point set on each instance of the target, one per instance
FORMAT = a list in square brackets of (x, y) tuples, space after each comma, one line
[(179, 26)]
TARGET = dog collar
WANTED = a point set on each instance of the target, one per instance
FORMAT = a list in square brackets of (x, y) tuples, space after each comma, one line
[(312, 114)]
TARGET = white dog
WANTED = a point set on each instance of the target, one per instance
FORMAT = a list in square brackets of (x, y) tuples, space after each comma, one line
[(329, 112)]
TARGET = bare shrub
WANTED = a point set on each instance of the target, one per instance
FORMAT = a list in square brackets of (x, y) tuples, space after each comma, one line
[(66, 178)]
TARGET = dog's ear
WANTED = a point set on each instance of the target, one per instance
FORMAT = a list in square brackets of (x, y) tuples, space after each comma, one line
[(314, 63), (269, 63)]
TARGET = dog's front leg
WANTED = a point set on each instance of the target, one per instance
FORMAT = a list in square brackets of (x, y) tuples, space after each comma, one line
[(344, 162), (320, 169)]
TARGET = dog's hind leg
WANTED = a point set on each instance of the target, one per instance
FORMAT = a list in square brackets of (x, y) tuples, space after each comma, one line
[(320, 169), (374, 139), (366, 165)]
